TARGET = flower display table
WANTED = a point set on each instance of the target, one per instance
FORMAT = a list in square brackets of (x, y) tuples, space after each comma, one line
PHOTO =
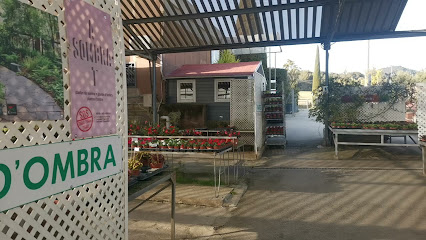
[(221, 164), (377, 132)]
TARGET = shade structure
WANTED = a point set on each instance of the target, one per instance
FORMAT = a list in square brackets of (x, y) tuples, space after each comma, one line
[(166, 26)]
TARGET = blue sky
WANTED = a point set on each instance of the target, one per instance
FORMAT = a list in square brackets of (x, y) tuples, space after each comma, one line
[(352, 56)]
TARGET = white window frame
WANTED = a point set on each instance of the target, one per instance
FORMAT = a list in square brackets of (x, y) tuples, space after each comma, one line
[(216, 81), (179, 100)]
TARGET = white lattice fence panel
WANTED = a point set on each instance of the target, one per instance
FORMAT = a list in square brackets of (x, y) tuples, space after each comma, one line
[(259, 115), (97, 210), (247, 138), (242, 104), (421, 108)]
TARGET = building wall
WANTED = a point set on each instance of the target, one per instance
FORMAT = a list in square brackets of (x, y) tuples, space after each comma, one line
[(216, 111), (139, 98), (174, 61)]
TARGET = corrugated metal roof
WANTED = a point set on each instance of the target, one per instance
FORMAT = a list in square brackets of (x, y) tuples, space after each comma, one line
[(215, 70), (164, 26)]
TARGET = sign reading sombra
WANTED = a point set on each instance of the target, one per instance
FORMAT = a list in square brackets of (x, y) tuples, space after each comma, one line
[(92, 70), (31, 173)]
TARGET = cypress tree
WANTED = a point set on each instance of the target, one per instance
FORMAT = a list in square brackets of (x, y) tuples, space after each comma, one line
[(317, 74)]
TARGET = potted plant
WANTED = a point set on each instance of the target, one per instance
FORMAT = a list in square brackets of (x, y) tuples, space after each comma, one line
[(157, 161), (393, 127), (182, 144), (153, 144), (203, 145), (176, 144), (216, 145), (160, 144), (382, 126), (189, 145), (196, 146), (134, 166), (168, 143)]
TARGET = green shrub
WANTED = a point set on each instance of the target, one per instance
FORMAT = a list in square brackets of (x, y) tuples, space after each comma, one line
[(7, 59), (34, 63), (47, 74), (2, 94)]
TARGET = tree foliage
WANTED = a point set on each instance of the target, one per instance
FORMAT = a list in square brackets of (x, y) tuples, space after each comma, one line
[(30, 38), (293, 73), (256, 57), (347, 97), (226, 56), (407, 78)]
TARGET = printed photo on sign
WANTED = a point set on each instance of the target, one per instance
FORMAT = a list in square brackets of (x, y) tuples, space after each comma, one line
[(31, 80), (92, 70)]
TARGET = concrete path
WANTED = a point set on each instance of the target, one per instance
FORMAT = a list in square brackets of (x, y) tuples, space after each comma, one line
[(303, 131), (33, 103), (305, 193), (330, 204)]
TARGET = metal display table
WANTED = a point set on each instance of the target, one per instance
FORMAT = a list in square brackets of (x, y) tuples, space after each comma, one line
[(372, 132), (221, 165), (142, 187), (423, 146)]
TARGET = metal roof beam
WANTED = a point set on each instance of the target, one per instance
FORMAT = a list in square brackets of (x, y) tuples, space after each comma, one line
[(238, 11), (132, 53), (337, 38)]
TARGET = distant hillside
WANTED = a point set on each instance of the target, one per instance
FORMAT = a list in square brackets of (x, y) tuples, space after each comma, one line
[(396, 69)]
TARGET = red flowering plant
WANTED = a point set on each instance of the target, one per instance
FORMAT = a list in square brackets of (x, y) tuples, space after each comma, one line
[(228, 133), (203, 144), (191, 132), (171, 131), (147, 129)]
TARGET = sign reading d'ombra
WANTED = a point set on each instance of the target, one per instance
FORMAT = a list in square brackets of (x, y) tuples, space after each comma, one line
[(28, 174), (92, 70)]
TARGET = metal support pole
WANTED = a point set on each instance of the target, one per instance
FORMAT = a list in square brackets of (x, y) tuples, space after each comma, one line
[(368, 65), (424, 159), (326, 130), (154, 90), (173, 181), (292, 103)]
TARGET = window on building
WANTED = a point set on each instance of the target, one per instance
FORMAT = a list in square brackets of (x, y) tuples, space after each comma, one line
[(222, 90), (186, 91)]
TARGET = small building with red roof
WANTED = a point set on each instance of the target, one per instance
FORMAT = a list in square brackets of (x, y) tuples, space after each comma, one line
[(213, 85), (229, 93)]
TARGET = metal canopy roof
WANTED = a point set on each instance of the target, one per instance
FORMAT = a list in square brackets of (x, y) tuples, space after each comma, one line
[(165, 26), (215, 70)]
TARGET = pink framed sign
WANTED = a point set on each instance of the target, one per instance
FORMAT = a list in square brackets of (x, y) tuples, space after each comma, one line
[(91, 68)]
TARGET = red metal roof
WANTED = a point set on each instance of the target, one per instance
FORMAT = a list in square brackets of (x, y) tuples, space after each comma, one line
[(215, 70)]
